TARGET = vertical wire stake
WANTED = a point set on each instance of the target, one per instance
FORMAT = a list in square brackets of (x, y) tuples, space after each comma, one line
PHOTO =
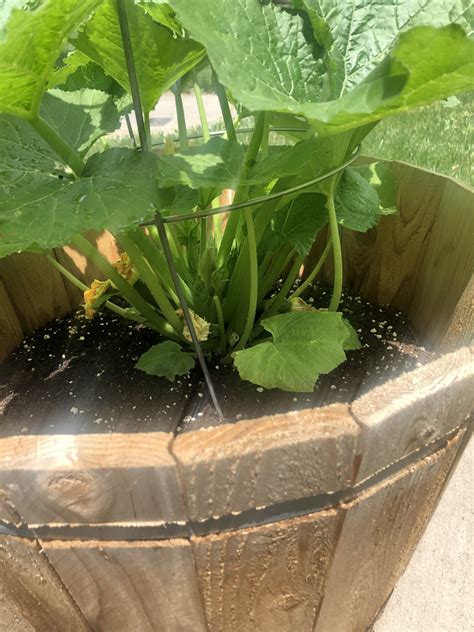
[(132, 76)]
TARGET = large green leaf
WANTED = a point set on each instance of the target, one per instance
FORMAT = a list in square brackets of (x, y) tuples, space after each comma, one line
[(283, 161), (28, 52), (42, 206), (259, 51), (358, 35), (299, 221), (305, 344), (217, 163), (356, 201), (427, 64), (160, 57), (80, 117), (270, 65), (161, 12), (166, 359)]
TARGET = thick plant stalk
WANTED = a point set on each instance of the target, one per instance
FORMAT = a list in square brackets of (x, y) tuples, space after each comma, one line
[(253, 282), (128, 291), (337, 254), (279, 299), (63, 150), (225, 109), (152, 281), (202, 110), (314, 272), (182, 131)]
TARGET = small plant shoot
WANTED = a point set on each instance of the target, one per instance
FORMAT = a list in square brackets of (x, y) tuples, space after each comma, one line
[(309, 78)]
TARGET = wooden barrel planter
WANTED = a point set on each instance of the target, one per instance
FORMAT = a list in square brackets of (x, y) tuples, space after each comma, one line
[(301, 521)]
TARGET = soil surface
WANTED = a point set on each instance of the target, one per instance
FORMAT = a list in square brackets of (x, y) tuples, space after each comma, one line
[(78, 376)]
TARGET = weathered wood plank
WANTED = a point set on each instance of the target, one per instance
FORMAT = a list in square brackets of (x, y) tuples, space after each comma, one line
[(448, 263), (382, 265), (32, 596), (460, 330), (249, 464), (90, 479), (266, 578), (11, 331), (36, 289), (413, 410), (379, 534), (128, 586)]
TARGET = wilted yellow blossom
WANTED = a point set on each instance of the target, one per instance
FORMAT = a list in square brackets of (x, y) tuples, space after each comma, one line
[(200, 325), (125, 268), (92, 294)]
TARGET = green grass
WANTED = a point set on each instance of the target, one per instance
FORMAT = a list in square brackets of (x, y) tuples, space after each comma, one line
[(435, 137)]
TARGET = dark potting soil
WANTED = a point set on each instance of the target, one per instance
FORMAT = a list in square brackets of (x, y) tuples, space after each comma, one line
[(77, 376)]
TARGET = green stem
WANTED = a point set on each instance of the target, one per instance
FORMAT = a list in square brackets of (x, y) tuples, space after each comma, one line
[(152, 252), (152, 281), (253, 281), (225, 109), (146, 120), (266, 128), (202, 110), (132, 75), (280, 262), (220, 321), (130, 130), (124, 313), (314, 273), (63, 150), (337, 254), (241, 194), (183, 133), (285, 288), (127, 290)]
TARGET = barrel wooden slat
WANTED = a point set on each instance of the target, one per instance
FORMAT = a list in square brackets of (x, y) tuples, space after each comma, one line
[(460, 330), (417, 408), (11, 330), (266, 578), (418, 260), (256, 463), (36, 289), (379, 535), (131, 586), (91, 479), (32, 595)]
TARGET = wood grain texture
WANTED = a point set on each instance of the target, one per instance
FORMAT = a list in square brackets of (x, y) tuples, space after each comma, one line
[(249, 464), (32, 596), (266, 578), (419, 407), (419, 260), (448, 261), (11, 330), (379, 534), (131, 586), (91, 479), (460, 330), (35, 288)]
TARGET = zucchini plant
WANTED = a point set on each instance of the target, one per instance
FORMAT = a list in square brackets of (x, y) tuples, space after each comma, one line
[(322, 73)]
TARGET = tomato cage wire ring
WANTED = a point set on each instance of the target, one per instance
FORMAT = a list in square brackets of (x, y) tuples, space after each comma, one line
[(228, 208)]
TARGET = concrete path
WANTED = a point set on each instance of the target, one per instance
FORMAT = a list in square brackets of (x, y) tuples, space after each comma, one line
[(436, 593)]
